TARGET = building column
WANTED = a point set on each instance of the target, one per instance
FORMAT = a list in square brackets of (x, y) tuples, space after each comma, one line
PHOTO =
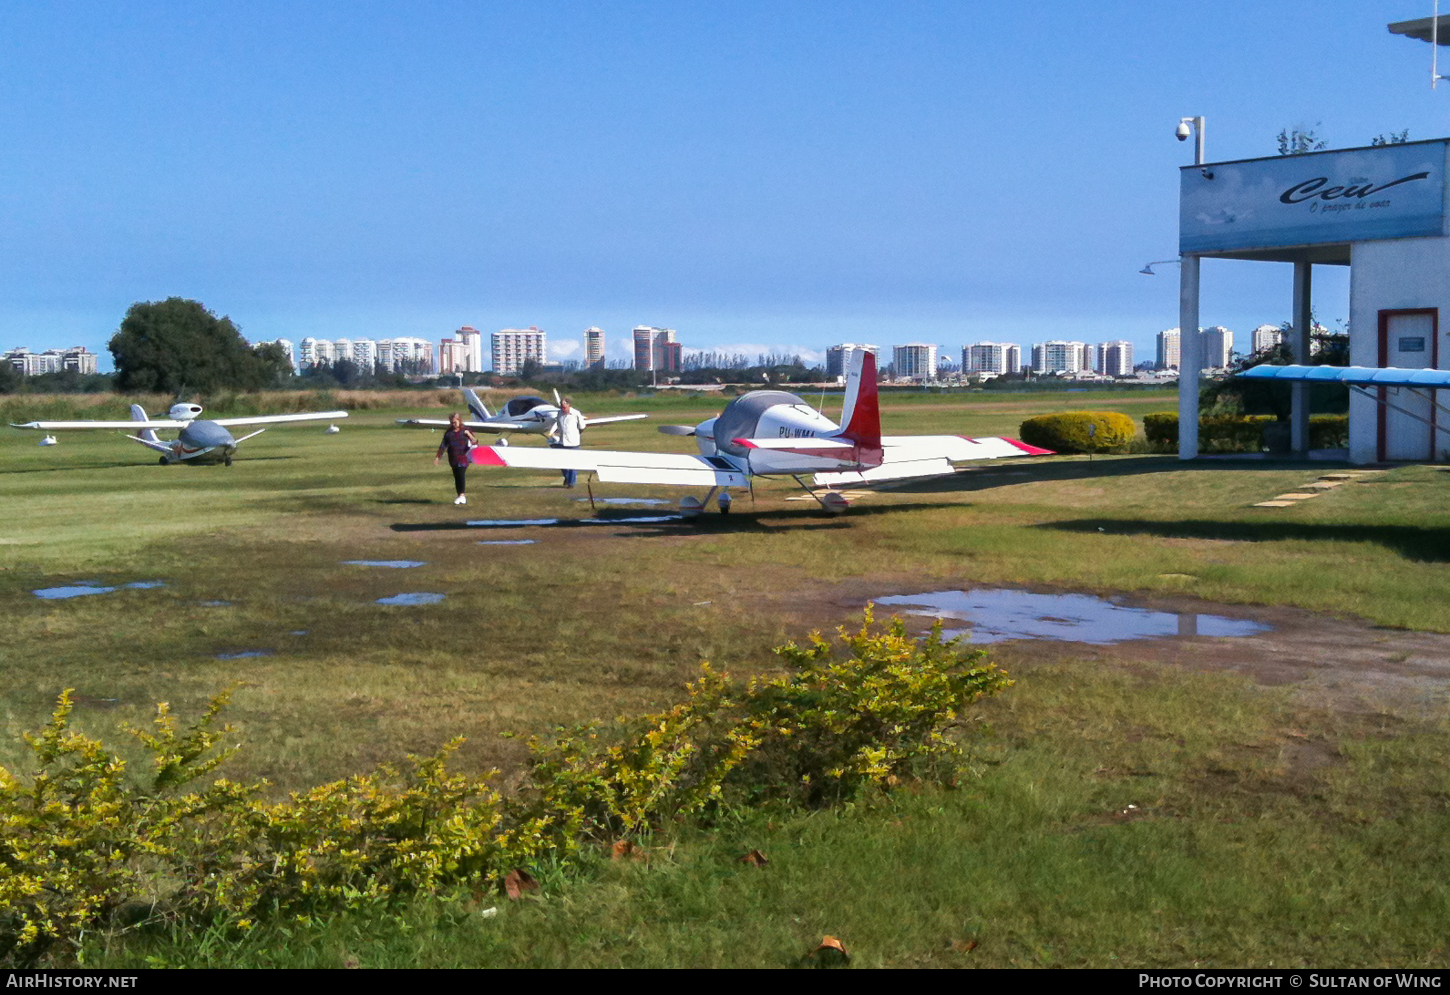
[(1190, 357), (1299, 349)]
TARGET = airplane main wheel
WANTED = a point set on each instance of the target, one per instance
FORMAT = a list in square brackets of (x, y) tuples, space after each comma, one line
[(163, 461), (227, 461)]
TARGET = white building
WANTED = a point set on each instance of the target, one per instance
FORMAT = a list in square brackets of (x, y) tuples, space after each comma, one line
[(1058, 356), (992, 357), (1266, 337), (838, 357), (1168, 349), (1218, 347), (513, 347), (406, 354), (594, 348), (32, 364), (1382, 211), (1115, 359), (914, 361)]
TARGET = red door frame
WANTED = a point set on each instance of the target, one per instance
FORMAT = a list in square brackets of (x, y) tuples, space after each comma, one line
[(1384, 352)]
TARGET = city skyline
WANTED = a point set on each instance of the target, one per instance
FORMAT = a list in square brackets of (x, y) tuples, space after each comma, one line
[(782, 180)]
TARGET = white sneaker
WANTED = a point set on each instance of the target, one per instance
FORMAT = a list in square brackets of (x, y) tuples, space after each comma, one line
[(460, 499)]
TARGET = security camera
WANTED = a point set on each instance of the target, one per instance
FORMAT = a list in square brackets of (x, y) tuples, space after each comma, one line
[(1183, 131)]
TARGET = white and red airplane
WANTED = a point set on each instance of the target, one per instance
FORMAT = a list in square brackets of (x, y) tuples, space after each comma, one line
[(200, 439), (773, 433), (530, 414)]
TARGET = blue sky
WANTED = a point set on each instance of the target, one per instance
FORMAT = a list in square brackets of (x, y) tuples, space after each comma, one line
[(770, 175)]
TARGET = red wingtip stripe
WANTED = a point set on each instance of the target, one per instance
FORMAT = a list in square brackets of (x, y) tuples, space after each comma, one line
[(746, 443), (1030, 450), (485, 456)]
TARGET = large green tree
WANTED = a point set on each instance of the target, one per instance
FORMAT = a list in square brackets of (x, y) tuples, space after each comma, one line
[(177, 344)]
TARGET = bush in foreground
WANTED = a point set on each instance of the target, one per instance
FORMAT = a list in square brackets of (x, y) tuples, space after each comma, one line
[(1080, 432), (81, 840)]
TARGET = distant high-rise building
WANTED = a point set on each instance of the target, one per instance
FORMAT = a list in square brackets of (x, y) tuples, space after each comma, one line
[(594, 348), (1058, 356), (452, 356), (31, 364), (513, 347), (406, 354), (1168, 349), (656, 349), (838, 357), (472, 340), (1218, 347), (1266, 338), (992, 357), (914, 361), (1115, 359)]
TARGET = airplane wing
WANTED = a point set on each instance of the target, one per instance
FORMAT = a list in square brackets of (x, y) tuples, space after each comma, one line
[(609, 418), (160, 447), (907, 456), (487, 426), (275, 419), (64, 426), (619, 467)]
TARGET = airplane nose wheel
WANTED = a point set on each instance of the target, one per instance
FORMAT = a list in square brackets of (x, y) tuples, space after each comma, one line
[(227, 461)]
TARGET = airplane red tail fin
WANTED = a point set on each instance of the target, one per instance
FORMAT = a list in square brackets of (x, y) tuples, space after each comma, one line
[(861, 416)]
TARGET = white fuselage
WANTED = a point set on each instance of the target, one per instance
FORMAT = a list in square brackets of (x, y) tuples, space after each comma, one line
[(771, 414)]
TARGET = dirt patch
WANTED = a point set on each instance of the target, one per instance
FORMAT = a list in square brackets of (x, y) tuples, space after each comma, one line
[(1340, 664)]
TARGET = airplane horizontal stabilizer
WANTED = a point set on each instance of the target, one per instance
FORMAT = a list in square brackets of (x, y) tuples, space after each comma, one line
[(156, 444), (901, 470), (957, 448)]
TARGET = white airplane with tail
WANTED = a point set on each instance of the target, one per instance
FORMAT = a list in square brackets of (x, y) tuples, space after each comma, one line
[(199, 438), (773, 433), (530, 414)]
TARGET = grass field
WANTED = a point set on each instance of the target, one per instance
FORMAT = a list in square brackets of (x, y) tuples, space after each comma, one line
[(1265, 827)]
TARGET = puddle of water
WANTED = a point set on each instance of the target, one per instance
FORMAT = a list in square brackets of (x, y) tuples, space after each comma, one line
[(394, 564), (622, 500), (216, 604), (91, 587), (298, 632), (416, 598), (994, 616), (243, 654), (507, 542), (503, 523), (73, 591)]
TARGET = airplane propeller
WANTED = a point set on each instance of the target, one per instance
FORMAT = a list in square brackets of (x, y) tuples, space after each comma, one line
[(677, 429)]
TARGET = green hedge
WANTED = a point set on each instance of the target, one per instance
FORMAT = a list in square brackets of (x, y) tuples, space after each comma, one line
[(1070, 432), (1240, 433)]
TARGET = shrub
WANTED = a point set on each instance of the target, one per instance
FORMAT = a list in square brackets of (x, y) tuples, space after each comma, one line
[(82, 838), (1240, 433), (1080, 432)]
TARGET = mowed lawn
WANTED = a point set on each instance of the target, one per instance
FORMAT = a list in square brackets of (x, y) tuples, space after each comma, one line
[(546, 625)]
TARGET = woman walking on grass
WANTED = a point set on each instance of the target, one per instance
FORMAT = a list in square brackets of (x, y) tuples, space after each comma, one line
[(457, 441)]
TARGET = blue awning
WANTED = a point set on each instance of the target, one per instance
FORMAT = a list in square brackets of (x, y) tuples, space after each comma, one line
[(1371, 376)]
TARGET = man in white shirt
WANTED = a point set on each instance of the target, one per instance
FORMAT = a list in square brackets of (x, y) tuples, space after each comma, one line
[(567, 434)]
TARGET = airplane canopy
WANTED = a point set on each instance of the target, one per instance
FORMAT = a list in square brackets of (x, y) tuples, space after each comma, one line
[(521, 405)]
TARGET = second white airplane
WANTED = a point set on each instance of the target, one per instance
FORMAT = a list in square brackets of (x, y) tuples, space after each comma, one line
[(529, 414), (771, 432)]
